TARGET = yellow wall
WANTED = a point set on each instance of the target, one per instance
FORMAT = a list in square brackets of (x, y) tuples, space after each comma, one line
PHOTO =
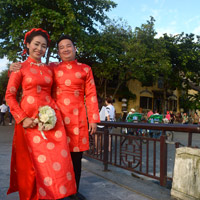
[(136, 88)]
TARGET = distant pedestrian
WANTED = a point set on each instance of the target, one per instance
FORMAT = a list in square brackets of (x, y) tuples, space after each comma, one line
[(172, 117), (10, 116), (110, 116), (195, 119), (3, 109), (149, 113), (185, 118)]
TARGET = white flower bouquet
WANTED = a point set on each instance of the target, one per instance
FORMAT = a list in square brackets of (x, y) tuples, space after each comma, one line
[(46, 119)]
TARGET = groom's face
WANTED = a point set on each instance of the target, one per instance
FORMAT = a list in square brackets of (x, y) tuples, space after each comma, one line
[(66, 50)]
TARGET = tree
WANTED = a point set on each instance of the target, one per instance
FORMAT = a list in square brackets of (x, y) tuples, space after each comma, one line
[(75, 17), (3, 83), (108, 53), (184, 51)]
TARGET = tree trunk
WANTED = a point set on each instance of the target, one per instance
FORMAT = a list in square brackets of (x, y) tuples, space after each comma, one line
[(48, 56), (105, 87), (116, 89)]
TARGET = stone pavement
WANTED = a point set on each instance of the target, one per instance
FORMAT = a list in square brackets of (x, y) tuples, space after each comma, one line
[(116, 184)]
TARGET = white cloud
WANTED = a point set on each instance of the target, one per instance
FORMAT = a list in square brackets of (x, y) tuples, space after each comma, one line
[(168, 30), (196, 31), (3, 64)]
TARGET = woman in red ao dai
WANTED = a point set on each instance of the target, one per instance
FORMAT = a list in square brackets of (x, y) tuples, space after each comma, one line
[(40, 168)]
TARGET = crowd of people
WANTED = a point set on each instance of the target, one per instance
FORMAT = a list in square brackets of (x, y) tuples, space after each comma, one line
[(169, 117)]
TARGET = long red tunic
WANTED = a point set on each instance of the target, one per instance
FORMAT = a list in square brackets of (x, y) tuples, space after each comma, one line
[(76, 93), (49, 168)]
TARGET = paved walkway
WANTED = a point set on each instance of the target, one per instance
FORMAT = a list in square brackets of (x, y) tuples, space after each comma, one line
[(116, 184)]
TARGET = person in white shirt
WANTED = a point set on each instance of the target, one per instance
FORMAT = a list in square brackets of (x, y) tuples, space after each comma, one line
[(110, 116), (3, 109)]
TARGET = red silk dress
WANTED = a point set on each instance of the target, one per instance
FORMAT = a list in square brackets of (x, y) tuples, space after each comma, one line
[(40, 168), (75, 93)]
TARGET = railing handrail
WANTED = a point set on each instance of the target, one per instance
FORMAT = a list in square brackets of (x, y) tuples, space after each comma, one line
[(192, 128)]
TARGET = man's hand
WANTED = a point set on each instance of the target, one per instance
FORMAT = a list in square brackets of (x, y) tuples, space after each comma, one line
[(15, 67), (28, 123), (92, 128)]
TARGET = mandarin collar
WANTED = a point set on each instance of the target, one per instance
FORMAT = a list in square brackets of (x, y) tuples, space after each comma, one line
[(31, 60), (69, 62)]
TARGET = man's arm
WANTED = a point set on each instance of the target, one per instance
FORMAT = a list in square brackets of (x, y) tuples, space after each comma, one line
[(15, 67)]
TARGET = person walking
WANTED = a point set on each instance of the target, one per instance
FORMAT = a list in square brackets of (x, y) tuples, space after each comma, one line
[(41, 165), (3, 109)]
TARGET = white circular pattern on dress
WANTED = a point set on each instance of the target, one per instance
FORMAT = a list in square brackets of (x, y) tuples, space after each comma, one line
[(66, 101), (78, 75), (58, 91), (28, 79), (42, 192), (69, 66), (48, 181), (76, 149), (56, 166), (47, 79), (84, 140), (39, 88), (92, 81), (76, 131), (67, 82), (58, 134), (67, 120), (95, 116), (93, 99), (30, 99), (76, 93), (13, 90), (33, 71), (86, 69), (50, 145), (68, 139), (47, 99), (41, 158), (69, 176), (60, 73), (50, 72), (75, 111), (62, 189), (64, 153), (36, 139), (29, 149)]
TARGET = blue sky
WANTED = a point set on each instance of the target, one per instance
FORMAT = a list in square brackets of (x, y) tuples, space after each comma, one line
[(172, 16)]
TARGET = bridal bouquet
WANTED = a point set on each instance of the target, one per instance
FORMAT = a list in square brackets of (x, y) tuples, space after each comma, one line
[(46, 119)]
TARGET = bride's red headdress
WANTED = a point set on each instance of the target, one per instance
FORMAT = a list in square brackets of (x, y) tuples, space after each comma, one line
[(35, 30)]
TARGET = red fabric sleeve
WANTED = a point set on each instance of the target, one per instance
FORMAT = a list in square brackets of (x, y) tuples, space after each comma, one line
[(11, 93), (91, 98)]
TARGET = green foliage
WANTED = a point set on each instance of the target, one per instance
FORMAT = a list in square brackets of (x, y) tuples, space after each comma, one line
[(3, 83), (74, 17)]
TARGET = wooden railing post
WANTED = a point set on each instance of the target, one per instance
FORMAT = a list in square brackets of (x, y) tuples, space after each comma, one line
[(163, 160), (106, 139)]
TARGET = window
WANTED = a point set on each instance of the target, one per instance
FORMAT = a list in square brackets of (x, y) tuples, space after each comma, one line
[(146, 102)]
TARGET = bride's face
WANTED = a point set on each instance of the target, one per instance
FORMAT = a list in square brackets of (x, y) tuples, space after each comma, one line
[(37, 47)]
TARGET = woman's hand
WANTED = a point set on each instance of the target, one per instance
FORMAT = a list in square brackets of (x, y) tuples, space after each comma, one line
[(15, 67), (28, 123)]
